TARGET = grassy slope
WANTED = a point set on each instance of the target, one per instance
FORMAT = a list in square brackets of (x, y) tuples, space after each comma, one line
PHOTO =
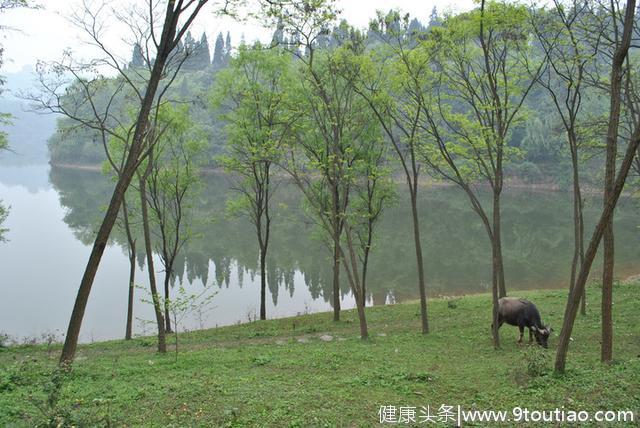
[(258, 374)]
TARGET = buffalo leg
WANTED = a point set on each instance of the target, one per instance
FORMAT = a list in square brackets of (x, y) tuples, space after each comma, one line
[(521, 328), (530, 336)]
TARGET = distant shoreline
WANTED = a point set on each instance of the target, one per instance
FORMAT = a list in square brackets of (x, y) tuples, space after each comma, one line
[(510, 182), (98, 168)]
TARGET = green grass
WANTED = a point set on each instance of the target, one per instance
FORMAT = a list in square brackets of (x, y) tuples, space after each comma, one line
[(259, 374)]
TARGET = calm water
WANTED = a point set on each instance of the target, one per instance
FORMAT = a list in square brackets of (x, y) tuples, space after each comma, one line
[(54, 213)]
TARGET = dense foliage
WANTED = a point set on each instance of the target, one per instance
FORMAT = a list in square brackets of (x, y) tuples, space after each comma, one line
[(535, 141)]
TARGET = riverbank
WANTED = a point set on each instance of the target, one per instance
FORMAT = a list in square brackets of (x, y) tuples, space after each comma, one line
[(310, 371), (425, 180)]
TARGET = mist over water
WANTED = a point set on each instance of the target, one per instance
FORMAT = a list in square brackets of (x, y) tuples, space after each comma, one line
[(54, 214)]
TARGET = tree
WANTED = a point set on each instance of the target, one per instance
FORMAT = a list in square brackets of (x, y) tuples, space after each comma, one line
[(146, 86), (227, 49), (219, 52), (137, 57), (173, 181), (334, 131), (170, 35), (114, 149), (390, 92), (471, 94), (434, 18), (197, 52), (618, 32), (203, 57), (373, 190), (559, 35), (89, 101), (189, 45), (258, 124)]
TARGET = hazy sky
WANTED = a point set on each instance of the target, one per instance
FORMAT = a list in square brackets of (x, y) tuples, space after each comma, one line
[(44, 34)]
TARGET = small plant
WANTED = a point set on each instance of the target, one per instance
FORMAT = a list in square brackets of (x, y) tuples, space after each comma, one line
[(51, 338), (536, 360), (52, 412), (12, 376), (181, 306), (251, 315), (4, 340), (56, 412), (184, 304), (261, 360)]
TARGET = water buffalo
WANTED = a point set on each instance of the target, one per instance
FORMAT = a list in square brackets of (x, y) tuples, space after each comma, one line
[(523, 313)]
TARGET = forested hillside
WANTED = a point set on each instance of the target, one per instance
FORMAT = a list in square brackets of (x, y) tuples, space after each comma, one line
[(540, 138)]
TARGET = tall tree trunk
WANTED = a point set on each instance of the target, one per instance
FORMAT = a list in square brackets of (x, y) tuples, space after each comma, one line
[(336, 278), (362, 318), (167, 302), (132, 286), (497, 235), (132, 270), (365, 264), (576, 215), (495, 326), (574, 296), (606, 347), (364, 331), (498, 288), (497, 230), (263, 240), (263, 284), (610, 202), (133, 157), (352, 275), (578, 221), (162, 345), (617, 73), (418, 246)]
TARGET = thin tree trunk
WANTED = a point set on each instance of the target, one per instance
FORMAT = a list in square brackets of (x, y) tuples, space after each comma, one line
[(167, 302), (418, 246), (162, 345), (354, 282), (365, 265), (102, 237), (502, 290), (606, 348), (617, 73), (175, 336), (364, 332), (263, 240), (132, 270), (132, 286), (263, 284), (578, 219), (495, 326), (576, 215), (497, 277), (607, 213), (336, 277), (497, 230)]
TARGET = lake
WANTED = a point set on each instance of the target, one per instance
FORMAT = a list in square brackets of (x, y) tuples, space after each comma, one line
[(55, 211)]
